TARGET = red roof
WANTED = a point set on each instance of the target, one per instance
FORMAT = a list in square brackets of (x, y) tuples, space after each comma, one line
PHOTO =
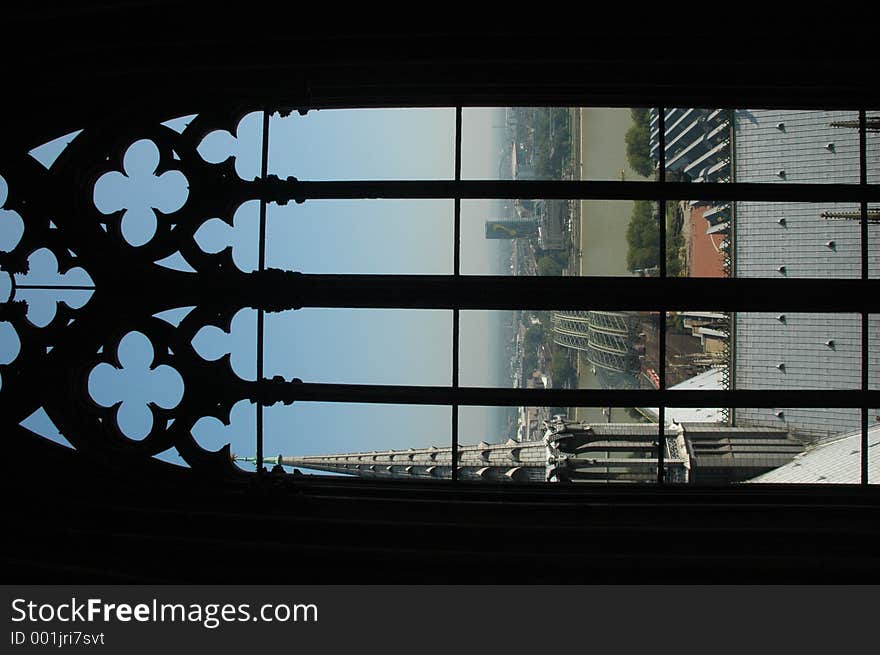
[(706, 258)]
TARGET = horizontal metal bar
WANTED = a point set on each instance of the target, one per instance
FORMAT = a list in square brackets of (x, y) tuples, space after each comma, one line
[(278, 189), (589, 293), (411, 395), (57, 287)]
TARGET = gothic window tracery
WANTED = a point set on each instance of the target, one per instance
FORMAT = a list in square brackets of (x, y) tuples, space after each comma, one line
[(134, 256)]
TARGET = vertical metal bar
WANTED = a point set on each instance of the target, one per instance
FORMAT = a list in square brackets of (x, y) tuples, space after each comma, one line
[(661, 144), (661, 410), (661, 337), (455, 406), (661, 177), (456, 271), (863, 181), (457, 234), (262, 267), (864, 446)]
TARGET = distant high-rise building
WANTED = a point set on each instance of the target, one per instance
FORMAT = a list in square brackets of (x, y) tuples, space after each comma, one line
[(510, 229)]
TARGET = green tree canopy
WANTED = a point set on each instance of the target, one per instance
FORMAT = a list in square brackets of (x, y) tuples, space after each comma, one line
[(641, 115), (642, 237), (638, 149), (549, 266)]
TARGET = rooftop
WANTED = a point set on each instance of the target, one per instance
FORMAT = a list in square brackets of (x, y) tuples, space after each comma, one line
[(836, 461)]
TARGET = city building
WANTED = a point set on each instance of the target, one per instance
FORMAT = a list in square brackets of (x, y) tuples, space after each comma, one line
[(774, 350), (554, 215), (835, 461), (610, 342), (511, 229), (577, 452)]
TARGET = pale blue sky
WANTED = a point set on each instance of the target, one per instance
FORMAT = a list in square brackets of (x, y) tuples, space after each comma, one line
[(316, 345)]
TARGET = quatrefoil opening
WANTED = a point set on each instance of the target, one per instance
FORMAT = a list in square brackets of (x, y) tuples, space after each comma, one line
[(10, 345), (11, 225), (136, 386), (43, 269), (140, 192)]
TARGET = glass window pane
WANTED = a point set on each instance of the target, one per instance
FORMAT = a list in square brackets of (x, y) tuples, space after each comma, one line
[(556, 143), (874, 351), (769, 239), (697, 144), (392, 237), (872, 159), (796, 350), (558, 349), (574, 445), (361, 440), (698, 238), (798, 240), (768, 350), (761, 145), (873, 237), (777, 445), (697, 350), (817, 147), (874, 446), (364, 144), (872, 143), (559, 237), (360, 346)]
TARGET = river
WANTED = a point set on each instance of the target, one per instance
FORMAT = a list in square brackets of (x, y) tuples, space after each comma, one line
[(603, 223)]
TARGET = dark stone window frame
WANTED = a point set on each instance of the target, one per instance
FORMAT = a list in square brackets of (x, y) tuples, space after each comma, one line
[(121, 68), (126, 284)]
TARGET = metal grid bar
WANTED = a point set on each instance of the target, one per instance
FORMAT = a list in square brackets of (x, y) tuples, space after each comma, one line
[(822, 295), (661, 410), (863, 180), (504, 397), (56, 287), (661, 337), (576, 293), (301, 191), (262, 267), (456, 315)]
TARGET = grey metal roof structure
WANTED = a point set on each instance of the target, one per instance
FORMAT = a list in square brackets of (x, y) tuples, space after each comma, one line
[(779, 146), (836, 461), (797, 142), (710, 379), (802, 351), (773, 240)]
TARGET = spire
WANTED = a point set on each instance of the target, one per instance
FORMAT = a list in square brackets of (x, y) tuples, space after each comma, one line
[(510, 461), (578, 452)]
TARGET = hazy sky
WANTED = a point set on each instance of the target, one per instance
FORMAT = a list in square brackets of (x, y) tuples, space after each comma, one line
[(316, 345)]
